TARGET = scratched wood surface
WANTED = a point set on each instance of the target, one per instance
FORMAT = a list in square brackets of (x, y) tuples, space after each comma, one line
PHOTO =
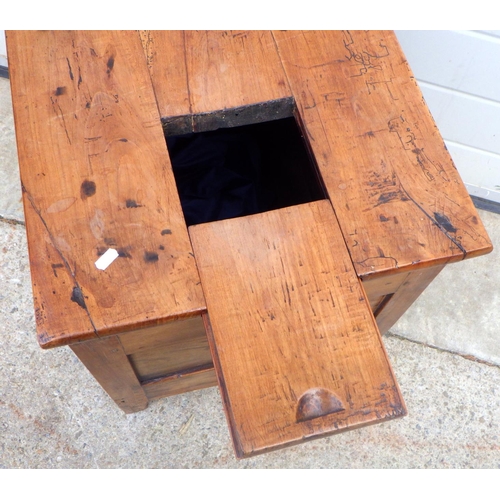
[(198, 73), (96, 175), (399, 200), (295, 345)]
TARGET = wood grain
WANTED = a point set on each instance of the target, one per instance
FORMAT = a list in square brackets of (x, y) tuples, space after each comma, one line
[(295, 345), (376, 289), (399, 200), (178, 383), (409, 291), (172, 358), (160, 336), (197, 73), (166, 349), (96, 175), (108, 363)]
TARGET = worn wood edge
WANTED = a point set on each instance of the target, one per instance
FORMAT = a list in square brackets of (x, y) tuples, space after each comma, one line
[(413, 266), (162, 387), (314, 437), (445, 226), (49, 342), (45, 339), (231, 117), (423, 264), (479, 252), (399, 412), (236, 440)]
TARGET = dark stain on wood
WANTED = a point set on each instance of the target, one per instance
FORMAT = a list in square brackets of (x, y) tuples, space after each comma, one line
[(166, 231), (56, 266), (161, 247), (132, 204), (231, 117), (391, 196), (88, 188), (123, 252), (110, 64), (77, 296), (123, 140), (60, 91), (445, 222), (150, 257), (69, 69), (383, 218)]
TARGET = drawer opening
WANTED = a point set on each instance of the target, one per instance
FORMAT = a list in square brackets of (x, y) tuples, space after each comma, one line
[(243, 170)]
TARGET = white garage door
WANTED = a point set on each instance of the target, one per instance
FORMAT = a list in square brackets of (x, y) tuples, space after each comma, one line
[(459, 74)]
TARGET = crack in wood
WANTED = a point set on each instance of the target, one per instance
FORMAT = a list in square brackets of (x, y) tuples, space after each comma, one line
[(78, 298)]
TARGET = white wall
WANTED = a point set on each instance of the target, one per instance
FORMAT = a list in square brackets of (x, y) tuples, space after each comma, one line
[(459, 75), (3, 49)]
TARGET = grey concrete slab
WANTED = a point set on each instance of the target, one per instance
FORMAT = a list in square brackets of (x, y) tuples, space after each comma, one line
[(53, 414), (10, 184), (460, 310)]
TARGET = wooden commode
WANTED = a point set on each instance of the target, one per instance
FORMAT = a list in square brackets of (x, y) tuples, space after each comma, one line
[(274, 201)]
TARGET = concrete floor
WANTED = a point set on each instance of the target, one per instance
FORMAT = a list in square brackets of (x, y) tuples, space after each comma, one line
[(445, 353)]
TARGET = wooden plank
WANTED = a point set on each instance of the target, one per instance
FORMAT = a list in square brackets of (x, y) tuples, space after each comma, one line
[(298, 331), (171, 358), (409, 291), (166, 349), (108, 363), (376, 289), (157, 337), (178, 383), (398, 197), (96, 175), (199, 73)]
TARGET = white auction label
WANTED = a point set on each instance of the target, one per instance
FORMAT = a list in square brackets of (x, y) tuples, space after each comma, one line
[(106, 259)]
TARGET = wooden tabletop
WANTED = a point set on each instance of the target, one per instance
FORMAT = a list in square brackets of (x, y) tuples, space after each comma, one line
[(89, 109)]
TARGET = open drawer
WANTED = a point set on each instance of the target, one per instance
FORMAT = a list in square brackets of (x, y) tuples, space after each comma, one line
[(295, 345)]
